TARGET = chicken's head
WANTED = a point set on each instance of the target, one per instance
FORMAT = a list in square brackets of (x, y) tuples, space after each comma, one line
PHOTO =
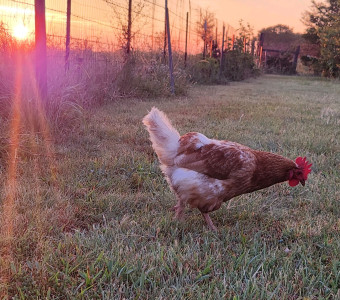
[(300, 173)]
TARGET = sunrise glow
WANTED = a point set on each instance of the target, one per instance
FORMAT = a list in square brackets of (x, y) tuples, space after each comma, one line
[(20, 31)]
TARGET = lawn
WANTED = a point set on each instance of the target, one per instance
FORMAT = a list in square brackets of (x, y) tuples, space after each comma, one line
[(85, 211)]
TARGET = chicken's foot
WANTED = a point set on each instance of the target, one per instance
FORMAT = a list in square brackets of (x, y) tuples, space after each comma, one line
[(209, 222), (178, 209)]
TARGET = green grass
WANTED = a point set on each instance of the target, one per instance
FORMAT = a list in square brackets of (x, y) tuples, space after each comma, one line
[(93, 221)]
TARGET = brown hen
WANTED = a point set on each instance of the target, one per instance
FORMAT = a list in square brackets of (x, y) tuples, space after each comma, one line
[(204, 173)]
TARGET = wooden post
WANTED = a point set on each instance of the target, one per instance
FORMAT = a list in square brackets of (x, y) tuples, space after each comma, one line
[(216, 32), (233, 42), (222, 49), (261, 43), (171, 67), (40, 48), (205, 39), (244, 44), (165, 35), (296, 56), (128, 42), (68, 35), (153, 23), (252, 47), (260, 61), (186, 41)]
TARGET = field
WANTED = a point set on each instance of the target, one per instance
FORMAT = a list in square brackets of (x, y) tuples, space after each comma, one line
[(88, 211)]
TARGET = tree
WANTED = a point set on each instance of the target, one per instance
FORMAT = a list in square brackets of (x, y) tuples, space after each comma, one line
[(205, 28), (127, 16), (280, 35), (323, 23), (245, 31), (245, 34)]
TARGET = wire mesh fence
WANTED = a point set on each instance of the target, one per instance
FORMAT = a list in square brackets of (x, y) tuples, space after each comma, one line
[(96, 58), (99, 26)]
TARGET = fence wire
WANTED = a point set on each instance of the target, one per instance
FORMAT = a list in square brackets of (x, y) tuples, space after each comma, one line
[(100, 25)]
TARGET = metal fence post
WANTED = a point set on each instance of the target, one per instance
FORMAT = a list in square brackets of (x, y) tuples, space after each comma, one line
[(171, 67), (40, 48)]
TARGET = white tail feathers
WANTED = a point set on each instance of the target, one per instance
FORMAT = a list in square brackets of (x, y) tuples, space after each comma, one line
[(164, 137)]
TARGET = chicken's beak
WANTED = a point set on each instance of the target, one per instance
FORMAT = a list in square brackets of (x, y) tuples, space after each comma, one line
[(302, 182)]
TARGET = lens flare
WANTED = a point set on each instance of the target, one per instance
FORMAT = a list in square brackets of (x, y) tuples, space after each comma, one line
[(8, 206)]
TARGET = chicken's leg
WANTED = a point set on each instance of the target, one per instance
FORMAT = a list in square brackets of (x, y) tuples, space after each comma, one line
[(209, 222), (179, 209)]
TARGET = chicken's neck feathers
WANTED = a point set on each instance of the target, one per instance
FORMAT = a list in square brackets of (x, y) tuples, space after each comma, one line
[(270, 169)]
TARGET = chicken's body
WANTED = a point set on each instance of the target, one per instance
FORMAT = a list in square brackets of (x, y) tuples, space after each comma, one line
[(205, 172)]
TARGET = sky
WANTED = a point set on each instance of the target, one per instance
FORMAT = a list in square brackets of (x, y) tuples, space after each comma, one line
[(94, 20), (259, 13)]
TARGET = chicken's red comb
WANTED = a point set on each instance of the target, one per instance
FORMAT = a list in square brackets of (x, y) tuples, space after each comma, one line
[(304, 165)]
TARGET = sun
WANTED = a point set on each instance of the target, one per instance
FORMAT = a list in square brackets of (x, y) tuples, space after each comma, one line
[(20, 31)]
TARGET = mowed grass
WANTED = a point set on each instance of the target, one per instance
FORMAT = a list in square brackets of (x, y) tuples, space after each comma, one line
[(93, 219)]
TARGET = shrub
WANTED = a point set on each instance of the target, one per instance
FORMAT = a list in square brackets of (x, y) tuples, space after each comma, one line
[(205, 71), (281, 64), (313, 63), (239, 66), (236, 66), (151, 78)]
